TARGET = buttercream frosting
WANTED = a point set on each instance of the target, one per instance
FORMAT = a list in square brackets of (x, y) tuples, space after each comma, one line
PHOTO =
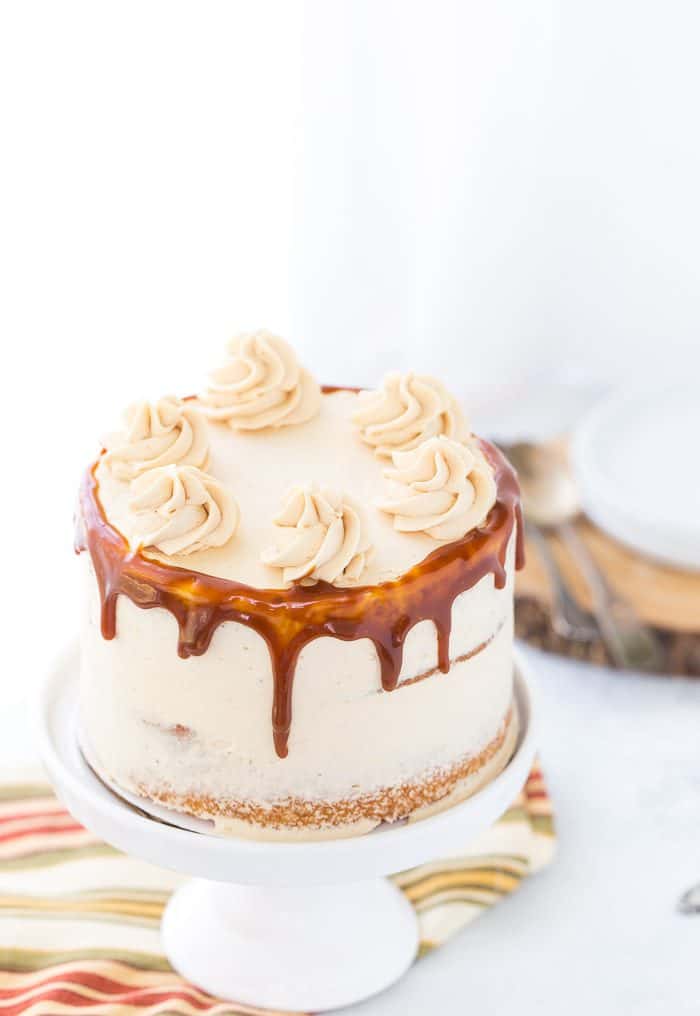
[(444, 489), (180, 510), (406, 410), (162, 433), (260, 385), (322, 535)]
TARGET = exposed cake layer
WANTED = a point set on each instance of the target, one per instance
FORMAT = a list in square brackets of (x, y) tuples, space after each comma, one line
[(203, 724), (303, 818)]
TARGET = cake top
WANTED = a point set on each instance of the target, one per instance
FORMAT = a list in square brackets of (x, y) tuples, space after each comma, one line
[(266, 480)]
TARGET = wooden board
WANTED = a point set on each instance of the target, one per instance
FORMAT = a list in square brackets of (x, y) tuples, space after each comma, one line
[(666, 598)]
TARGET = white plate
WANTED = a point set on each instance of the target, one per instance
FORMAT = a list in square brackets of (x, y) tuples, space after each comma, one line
[(636, 462)]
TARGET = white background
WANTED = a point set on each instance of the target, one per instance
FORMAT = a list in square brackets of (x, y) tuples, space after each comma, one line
[(492, 191), (497, 192)]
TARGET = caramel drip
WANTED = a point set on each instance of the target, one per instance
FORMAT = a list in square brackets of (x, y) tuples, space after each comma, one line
[(330, 389), (289, 619)]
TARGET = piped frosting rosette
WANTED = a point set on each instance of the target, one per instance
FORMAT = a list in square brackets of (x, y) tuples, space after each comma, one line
[(406, 410), (443, 488), (162, 433), (180, 510), (260, 385), (322, 536)]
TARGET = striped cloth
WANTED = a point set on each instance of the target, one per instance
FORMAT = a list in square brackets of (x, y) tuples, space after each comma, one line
[(79, 921)]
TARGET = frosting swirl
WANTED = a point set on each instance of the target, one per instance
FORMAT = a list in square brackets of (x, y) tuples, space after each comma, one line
[(408, 409), (323, 536), (180, 509), (161, 433), (446, 489), (260, 385)]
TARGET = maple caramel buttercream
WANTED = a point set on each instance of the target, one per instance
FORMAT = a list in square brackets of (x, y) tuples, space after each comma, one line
[(264, 646)]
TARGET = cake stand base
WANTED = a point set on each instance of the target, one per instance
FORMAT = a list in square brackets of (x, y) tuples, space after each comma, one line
[(290, 948), (288, 926)]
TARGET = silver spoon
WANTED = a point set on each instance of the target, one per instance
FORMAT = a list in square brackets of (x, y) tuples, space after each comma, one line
[(550, 500), (568, 619)]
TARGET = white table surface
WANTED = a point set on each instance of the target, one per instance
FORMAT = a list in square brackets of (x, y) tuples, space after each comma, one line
[(597, 932)]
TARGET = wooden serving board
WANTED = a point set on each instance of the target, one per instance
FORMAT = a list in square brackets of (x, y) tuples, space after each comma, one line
[(666, 598)]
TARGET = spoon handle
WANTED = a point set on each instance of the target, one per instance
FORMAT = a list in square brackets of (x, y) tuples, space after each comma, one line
[(689, 902), (631, 644), (568, 619)]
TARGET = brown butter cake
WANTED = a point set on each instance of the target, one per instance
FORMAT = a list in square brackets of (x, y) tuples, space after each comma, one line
[(298, 618)]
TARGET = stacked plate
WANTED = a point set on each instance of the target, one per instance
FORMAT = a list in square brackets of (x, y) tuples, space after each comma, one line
[(637, 462)]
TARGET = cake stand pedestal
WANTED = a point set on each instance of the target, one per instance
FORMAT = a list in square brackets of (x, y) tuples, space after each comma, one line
[(292, 926)]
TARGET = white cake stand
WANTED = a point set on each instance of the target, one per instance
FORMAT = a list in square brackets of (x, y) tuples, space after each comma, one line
[(294, 926)]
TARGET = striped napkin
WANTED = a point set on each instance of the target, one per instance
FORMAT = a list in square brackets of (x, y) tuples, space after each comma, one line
[(79, 921)]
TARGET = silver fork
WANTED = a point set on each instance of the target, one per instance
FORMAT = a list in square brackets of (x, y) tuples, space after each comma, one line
[(568, 619), (550, 499)]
